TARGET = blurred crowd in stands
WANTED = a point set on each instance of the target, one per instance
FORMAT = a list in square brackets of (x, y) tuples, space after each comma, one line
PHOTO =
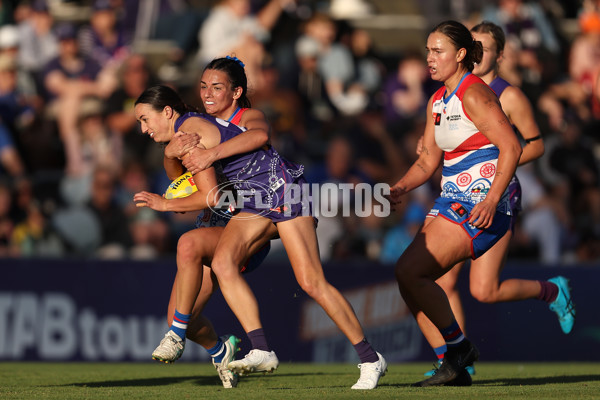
[(72, 154)]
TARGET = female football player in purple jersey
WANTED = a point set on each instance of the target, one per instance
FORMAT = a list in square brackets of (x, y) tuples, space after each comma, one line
[(195, 282), (269, 177)]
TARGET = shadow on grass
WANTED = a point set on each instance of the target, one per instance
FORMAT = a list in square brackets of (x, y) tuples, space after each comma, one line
[(164, 381), (537, 381)]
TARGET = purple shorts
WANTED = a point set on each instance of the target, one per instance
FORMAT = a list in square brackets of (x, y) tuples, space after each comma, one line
[(288, 201), (458, 212)]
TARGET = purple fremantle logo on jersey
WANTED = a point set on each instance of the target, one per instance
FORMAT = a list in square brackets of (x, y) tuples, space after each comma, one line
[(327, 200)]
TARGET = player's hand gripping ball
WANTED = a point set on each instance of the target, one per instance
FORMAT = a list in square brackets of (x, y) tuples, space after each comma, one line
[(182, 186)]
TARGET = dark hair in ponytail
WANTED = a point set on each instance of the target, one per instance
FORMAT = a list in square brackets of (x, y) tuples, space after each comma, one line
[(161, 96), (462, 38), (236, 74)]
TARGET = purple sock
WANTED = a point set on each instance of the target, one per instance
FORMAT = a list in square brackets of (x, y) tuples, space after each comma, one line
[(258, 340), (549, 291), (366, 352)]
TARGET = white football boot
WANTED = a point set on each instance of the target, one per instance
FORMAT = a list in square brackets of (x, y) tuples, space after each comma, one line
[(255, 361), (370, 374), (170, 348), (229, 379)]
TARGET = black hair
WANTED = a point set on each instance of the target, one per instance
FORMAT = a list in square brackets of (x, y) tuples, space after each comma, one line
[(236, 74), (462, 39), (161, 96), (494, 31)]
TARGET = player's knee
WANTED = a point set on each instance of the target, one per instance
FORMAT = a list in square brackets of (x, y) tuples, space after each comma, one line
[(483, 295), (313, 287), (224, 267), (188, 249)]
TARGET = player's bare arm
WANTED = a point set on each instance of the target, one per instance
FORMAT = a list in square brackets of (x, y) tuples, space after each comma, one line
[(255, 137), (519, 111)]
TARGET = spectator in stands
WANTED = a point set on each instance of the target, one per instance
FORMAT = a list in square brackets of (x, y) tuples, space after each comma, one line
[(116, 237), (14, 114), (342, 81), (406, 91), (545, 220), (283, 109), (38, 42), (575, 92), (527, 26), (573, 158), (10, 45), (377, 148), (103, 40), (135, 76), (367, 66), (34, 237), (149, 233), (232, 28), (176, 22), (74, 82), (98, 146), (525, 21), (311, 87)]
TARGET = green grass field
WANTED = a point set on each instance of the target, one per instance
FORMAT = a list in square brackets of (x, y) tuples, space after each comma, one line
[(18, 380)]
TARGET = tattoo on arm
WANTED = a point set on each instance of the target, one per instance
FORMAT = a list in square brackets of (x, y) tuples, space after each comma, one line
[(401, 189), (484, 127), (425, 150), (422, 167)]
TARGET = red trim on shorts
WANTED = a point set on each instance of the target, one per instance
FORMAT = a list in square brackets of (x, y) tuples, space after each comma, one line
[(464, 230)]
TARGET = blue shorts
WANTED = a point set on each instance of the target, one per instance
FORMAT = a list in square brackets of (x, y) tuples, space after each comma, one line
[(458, 212)]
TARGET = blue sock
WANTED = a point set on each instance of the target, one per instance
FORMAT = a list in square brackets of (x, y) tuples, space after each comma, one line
[(453, 335), (180, 323), (440, 351), (217, 352)]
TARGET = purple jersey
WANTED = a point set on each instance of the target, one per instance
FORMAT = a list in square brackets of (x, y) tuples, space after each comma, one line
[(262, 175), (498, 85)]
